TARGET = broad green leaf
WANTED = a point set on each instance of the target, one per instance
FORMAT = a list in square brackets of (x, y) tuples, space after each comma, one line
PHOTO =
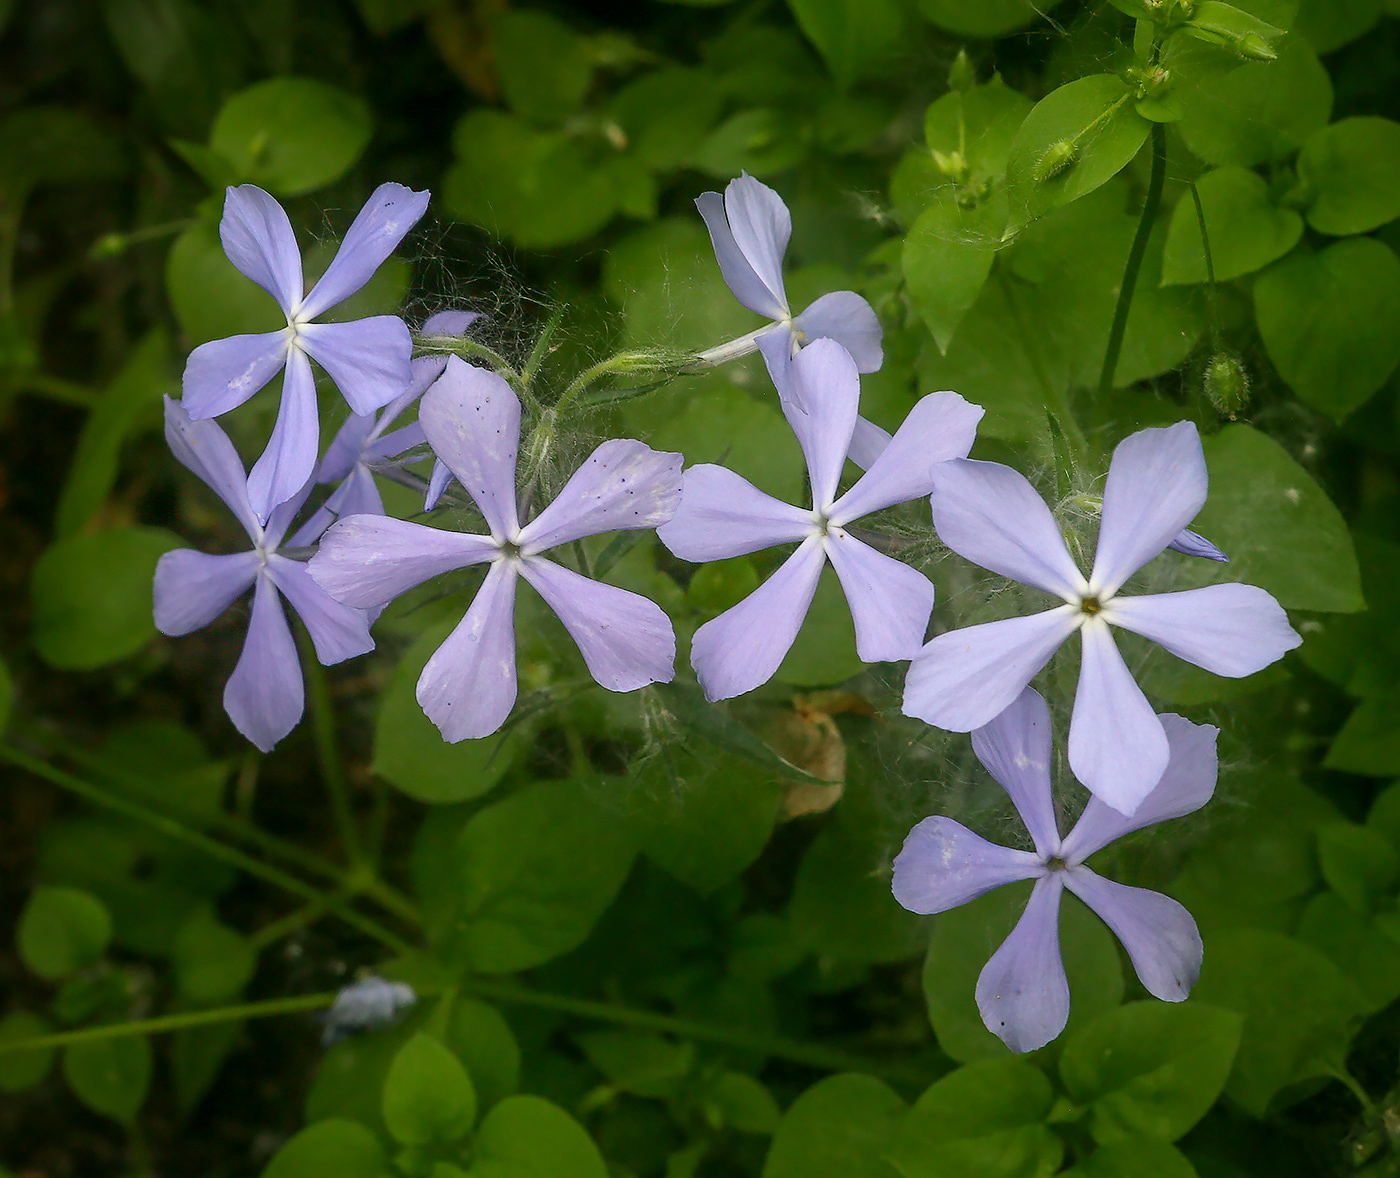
[(1351, 940), (62, 931), (1369, 741), (1246, 230), (91, 596), (291, 135), (484, 1042), (1134, 1157), (20, 1070), (162, 762), (527, 1137), (428, 1096), (1150, 1068), (349, 1081), (824, 653), (979, 125), (761, 141), (736, 1100), (212, 962), (1384, 814), (197, 1055), (1328, 321), (855, 37), (666, 114), (840, 1127), (334, 1148), (543, 65), (110, 1076), (1330, 24), (638, 1062), (1075, 139), (982, 18), (987, 1119), (1351, 175), (1358, 862), (948, 255), (211, 299)]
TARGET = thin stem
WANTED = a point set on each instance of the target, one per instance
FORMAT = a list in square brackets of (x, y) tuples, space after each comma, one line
[(541, 349), (1212, 317), (56, 389), (328, 753), (293, 922), (1135, 255)]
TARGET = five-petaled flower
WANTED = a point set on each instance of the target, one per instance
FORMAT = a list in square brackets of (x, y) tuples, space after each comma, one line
[(1022, 991), (990, 514), (471, 418)]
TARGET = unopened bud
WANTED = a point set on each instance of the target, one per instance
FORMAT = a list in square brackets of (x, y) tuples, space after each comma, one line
[(1227, 384), (961, 76), (1254, 47), (1058, 159)]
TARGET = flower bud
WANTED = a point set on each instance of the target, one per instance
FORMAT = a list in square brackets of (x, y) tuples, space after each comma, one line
[(1227, 383), (1254, 47), (961, 76), (1057, 160)]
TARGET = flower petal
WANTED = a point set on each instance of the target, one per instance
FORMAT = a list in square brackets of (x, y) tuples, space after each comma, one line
[(449, 323), (741, 278), (471, 418), (847, 318), (868, 442), (762, 226), (1156, 486), (1186, 786), (623, 486), (468, 687), (745, 645), (223, 373), (1117, 747), (1229, 629), (1159, 934), (944, 865), (259, 241), (890, 602), (346, 447), (366, 561), (264, 695), (1015, 749), (722, 514), (965, 678), (824, 393), (991, 515), (626, 640), (193, 588), (368, 359), (1022, 992), (1190, 543), (939, 427), (203, 448), (337, 631), (437, 484), (391, 211), (289, 461)]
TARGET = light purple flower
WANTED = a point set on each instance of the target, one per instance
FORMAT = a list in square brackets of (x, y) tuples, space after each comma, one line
[(991, 515), (722, 515), (365, 1005), (472, 421), (368, 359), (264, 695), (446, 325), (1022, 991)]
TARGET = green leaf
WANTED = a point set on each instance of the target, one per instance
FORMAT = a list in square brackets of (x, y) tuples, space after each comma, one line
[(1358, 862), (197, 1055), (1134, 1157), (543, 65), (20, 1070), (428, 1096), (1328, 321), (333, 1148), (761, 141), (986, 1119), (1245, 228), (1075, 139), (984, 18), (1330, 24), (840, 1127), (212, 962), (526, 1137), (666, 114), (210, 298), (62, 931), (42, 145), (1351, 940), (1369, 741), (91, 596), (640, 1063), (291, 135), (824, 653), (855, 37), (736, 1100), (349, 1082), (979, 125), (948, 255), (1150, 1068), (483, 1041), (110, 1076), (1351, 175)]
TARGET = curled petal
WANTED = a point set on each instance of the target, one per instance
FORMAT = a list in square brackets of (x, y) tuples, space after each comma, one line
[(258, 240), (1022, 992), (368, 359), (337, 631), (761, 225), (821, 408), (264, 695), (223, 373), (741, 278), (1190, 543), (437, 484), (890, 602), (366, 561), (193, 588), (944, 865), (1015, 749), (722, 514), (203, 448), (847, 318), (289, 461), (391, 211)]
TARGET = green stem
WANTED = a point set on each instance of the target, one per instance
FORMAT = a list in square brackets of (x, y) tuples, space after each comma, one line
[(1135, 255), (328, 752), (541, 349), (293, 922), (1214, 319)]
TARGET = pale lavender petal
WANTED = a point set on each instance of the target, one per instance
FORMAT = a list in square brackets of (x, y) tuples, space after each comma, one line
[(1191, 544), (743, 280), (825, 393), (890, 602), (624, 485), (1229, 629), (223, 373), (778, 347), (203, 448), (1015, 749), (1159, 934), (395, 442), (1156, 486), (449, 323), (337, 631), (847, 318), (1186, 786), (743, 647), (368, 359), (868, 442), (290, 458), (944, 865), (761, 225), (258, 240), (366, 561), (424, 371), (1117, 747), (391, 211), (939, 427), (437, 484), (468, 687), (472, 421), (193, 588), (264, 695), (346, 448), (1022, 992), (626, 640), (722, 514), (357, 494), (283, 515), (965, 678)]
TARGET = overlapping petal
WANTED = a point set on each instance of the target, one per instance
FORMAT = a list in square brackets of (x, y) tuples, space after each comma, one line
[(193, 588), (842, 315), (943, 865), (721, 514), (223, 373), (368, 358), (337, 631), (391, 211), (258, 239), (868, 442), (449, 323), (890, 602), (1015, 749), (264, 695), (366, 561), (1022, 992), (204, 449), (821, 408), (761, 226), (1190, 543), (741, 278), (290, 458)]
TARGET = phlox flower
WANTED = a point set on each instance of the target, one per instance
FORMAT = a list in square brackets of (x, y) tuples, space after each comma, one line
[(991, 515), (264, 695), (723, 515), (365, 1005), (367, 359), (1022, 991), (444, 325), (471, 418)]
